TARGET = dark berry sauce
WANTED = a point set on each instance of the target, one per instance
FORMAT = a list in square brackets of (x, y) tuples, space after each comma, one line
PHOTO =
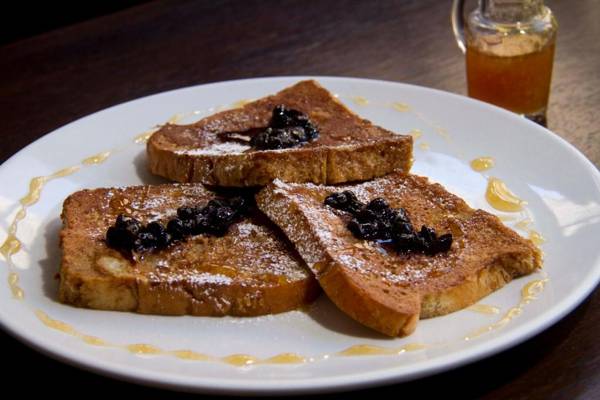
[(129, 235), (377, 221), (287, 128)]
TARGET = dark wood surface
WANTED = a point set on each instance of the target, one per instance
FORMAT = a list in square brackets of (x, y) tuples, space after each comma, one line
[(51, 79)]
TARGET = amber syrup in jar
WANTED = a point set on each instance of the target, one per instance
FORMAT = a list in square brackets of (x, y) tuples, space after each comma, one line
[(510, 79), (510, 53)]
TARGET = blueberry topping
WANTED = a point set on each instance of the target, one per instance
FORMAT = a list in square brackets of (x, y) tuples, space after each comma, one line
[(160, 234), (345, 201), (147, 239), (310, 131), (443, 243), (287, 128), (139, 246), (283, 117), (364, 230), (199, 224), (239, 204), (186, 212), (401, 227), (177, 229), (119, 237), (128, 224), (215, 204), (377, 221), (129, 235), (428, 234), (407, 241), (378, 205)]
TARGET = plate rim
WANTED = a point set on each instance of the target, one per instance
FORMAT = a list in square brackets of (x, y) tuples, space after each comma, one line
[(389, 375)]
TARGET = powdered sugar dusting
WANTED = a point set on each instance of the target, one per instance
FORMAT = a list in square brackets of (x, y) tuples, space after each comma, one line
[(251, 256), (191, 278), (320, 233), (216, 149)]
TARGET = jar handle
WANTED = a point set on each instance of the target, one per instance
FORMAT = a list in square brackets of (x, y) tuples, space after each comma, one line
[(458, 23)]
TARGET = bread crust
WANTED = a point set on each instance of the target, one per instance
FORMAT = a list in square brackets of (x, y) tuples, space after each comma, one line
[(386, 290), (349, 148), (252, 270)]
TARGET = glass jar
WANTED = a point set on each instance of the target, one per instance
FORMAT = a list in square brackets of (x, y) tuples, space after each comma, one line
[(509, 47)]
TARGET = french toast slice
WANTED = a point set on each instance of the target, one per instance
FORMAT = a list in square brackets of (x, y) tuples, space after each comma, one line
[(251, 270), (348, 148), (383, 288)]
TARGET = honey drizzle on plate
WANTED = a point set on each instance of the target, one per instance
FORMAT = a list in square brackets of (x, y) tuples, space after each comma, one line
[(190, 355), (524, 223), (12, 245), (144, 349), (482, 164), (360, 100), (286, 358), (145, 136), (536, 237), (400, 107), (484, 309), (13, 283), (96, 159), (238, 360), (371, 350), (415, 133), (529, 292), (37, 184), (501, 198)]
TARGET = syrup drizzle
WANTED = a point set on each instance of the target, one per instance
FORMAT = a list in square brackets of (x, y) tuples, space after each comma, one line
[(145, 136), (96, 159), (371, 350), (13, 283), (482, 164), (536, 237), (501, 198), (12, 245), (400, 107), (237, 360), (415, 133), (484, 309), (524, 223), (361, 101), (529, 292)]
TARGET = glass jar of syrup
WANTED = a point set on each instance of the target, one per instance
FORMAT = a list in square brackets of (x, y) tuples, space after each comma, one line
[(509, 46)]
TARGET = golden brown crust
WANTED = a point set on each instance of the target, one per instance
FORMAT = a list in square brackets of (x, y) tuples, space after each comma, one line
[(386, 290), (250, 271), (349, 148)]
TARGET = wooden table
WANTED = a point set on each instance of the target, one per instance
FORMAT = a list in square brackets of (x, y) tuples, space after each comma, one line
[(52, 79)]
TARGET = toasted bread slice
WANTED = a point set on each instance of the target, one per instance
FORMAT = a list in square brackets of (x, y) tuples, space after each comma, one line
[(252, 270), (381, 287), (349, 148)]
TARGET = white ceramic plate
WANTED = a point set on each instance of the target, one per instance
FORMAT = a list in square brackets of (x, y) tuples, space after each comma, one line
[(561, 187)]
